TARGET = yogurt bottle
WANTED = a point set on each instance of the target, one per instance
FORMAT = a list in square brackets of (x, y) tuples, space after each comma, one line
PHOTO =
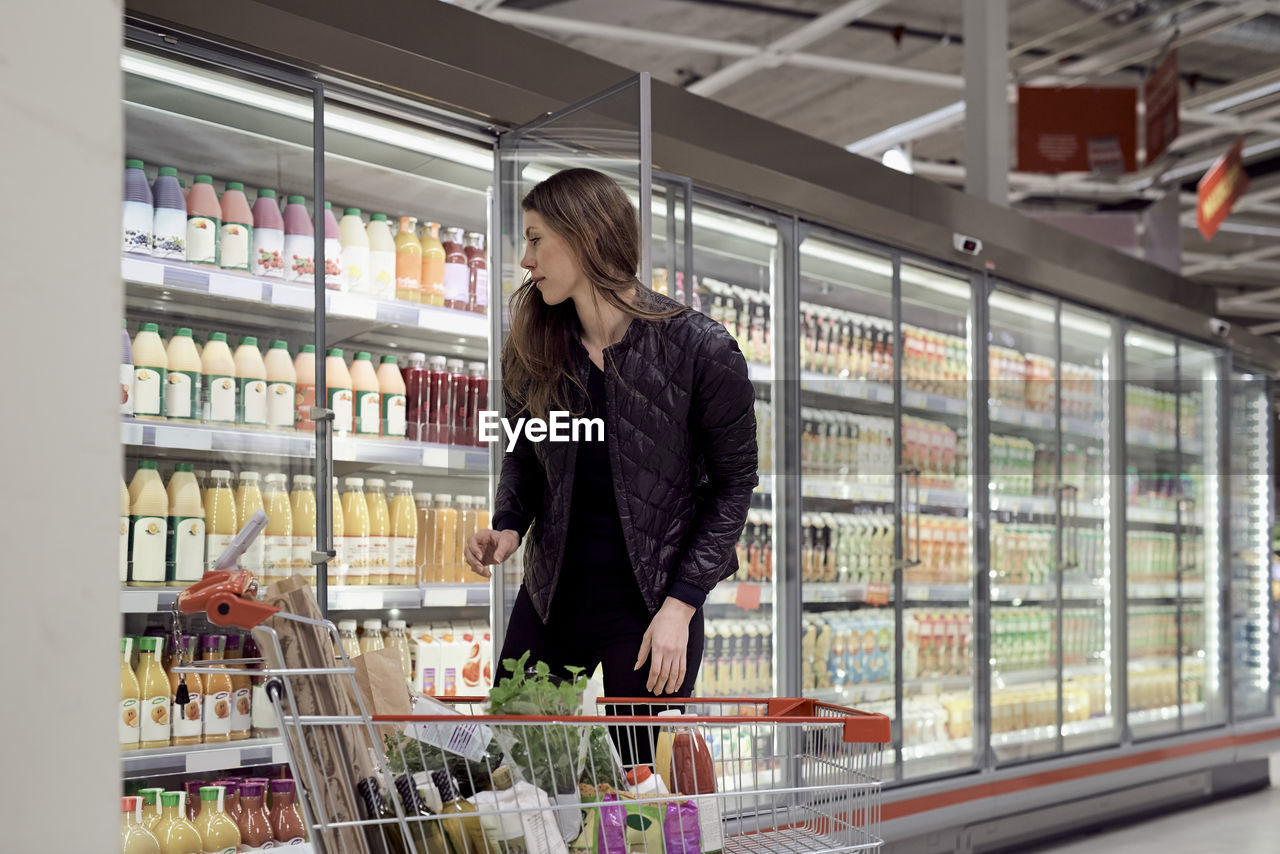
[(268, 236), (170, 222), (150, 370), (148, 512), (219, 381), (237, 228), (251, 382), (204, 222), (185, 551), (381, 280), (332, 250), (282, 381), (139, 210), (355, 250), (299, 242), (182, 385)]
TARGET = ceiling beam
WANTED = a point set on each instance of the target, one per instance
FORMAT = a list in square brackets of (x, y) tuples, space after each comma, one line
[(1053, 59), (1265, 328), (772, 54), (1050, 37), (1249, 301)]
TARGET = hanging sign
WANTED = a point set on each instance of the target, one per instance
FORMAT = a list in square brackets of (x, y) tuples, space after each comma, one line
[(1082, 129), (1220, 189)]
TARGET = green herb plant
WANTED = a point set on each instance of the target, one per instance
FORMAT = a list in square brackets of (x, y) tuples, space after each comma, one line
[(547, 755)]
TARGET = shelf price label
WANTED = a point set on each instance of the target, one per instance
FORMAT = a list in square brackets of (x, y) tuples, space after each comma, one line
[(200, 761), (747, 596), (143, 272), (235, 287), (441, 596), (878, 593)]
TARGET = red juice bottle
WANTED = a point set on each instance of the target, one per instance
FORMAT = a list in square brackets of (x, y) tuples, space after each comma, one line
[(477, 399), (417, 398), (438, 402), (454, 423)]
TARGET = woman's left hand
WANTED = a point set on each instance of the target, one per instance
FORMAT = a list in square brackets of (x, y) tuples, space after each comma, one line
[(667, 638)]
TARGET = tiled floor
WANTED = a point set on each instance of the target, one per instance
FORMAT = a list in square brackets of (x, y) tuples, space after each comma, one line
[(1244, 825)]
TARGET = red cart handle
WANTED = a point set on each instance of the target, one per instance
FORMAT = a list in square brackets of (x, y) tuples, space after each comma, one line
[(228, 599)]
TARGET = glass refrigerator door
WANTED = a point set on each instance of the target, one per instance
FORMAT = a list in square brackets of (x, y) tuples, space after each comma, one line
[(736, 261), (406, 281), (1028, 504), (1153, 496), (938, 631), (849, 530), (214, 325), (1202, 696), (1249, 501)]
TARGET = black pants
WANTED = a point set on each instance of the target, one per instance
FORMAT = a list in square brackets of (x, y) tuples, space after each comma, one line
[(599, 618)]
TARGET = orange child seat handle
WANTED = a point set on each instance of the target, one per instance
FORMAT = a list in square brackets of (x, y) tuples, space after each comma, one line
[(228, 598)]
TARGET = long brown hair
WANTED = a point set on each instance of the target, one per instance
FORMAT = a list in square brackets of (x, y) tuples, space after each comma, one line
[(594, 216)]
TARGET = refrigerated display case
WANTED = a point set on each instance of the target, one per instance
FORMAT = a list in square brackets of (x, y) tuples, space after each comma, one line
[(1071, 594)]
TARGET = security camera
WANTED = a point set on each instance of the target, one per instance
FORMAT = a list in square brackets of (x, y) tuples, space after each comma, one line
[(1219, 327), (967, 245)]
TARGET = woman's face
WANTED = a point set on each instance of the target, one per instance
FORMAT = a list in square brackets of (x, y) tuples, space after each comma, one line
[(550, 261)]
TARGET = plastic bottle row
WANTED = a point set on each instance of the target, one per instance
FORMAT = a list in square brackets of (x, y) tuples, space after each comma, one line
[(1022, 638), (1162, 413), (1153, 630), (231, 815), (745, 314), (170, 536), (845, 344), (844, 648), (187, 380), (443, 660), (834, 442), (1157, 688), (737, 660), (935, 449), (436, 266), (1156, 490), (755, 548)]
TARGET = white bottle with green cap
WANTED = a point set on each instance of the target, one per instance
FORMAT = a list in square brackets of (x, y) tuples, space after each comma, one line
[(182, 386), (251, 379), (185, 552), (150, 370), (219, 383), (282, 383), (148, 535)]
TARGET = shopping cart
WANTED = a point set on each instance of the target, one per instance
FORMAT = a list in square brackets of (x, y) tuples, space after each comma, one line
[(790, 775)]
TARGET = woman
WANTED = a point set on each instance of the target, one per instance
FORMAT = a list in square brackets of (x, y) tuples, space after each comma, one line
[(627, 534)]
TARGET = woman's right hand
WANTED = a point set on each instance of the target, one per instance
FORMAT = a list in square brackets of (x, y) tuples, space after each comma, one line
[(488, 547)]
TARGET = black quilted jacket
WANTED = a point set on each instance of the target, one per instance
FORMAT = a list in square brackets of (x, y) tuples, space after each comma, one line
[(681, 429)]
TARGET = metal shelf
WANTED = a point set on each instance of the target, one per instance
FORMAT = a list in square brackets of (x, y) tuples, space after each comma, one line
[(364, 598), (943, 593), (1143, 717), (1045, 592), (734, 593), (202, 758)]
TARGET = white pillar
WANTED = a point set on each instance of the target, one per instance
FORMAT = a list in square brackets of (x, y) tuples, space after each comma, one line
[(60, 431), (986, 126)]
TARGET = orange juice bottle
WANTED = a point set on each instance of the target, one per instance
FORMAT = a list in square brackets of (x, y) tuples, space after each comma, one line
[(432, 265), (423, 554), (466, 527), (248, 502), (176, 833), (277, 563), (355, 514), (338, 568), (219, 516), (217, 691), (403, 569), (154, 684), (444, 533), (302, 506), (408, 262), (148, 525), (188, 719), (379, 532), (130, 720)]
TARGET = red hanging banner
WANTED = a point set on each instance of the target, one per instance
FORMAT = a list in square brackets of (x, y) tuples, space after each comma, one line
[(1220, 189), (1083, 129), (1160, 93)]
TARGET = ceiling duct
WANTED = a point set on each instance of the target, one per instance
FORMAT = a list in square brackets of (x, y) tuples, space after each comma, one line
[(1260, 34)]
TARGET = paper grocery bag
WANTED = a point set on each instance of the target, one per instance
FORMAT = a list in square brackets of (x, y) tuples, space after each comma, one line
[(381, 680), (329, 759)]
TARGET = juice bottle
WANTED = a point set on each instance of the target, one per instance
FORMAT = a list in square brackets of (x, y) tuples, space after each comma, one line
[(219, 516), (459, 820), (130, 721), (371, 640), (379, 532), (125, 512), (154, 685), (174, 831), (148, 514), (382, 258), (150, 367), (457, 273), (424, 550), (182, 383), (408, 262), (338, 392), (398, 639), (348, 638), (478, 274), (467, 519), (404, 534), (356, 531), (237, 228), (332, 250), (439, 404), (204, 215), (477, 400), (432, 264), (188, 719), (299, 242), (186, 533), (231, 795), (453, 426), (191, 798), (391, 391), (277, 563), (217, 691), (305, 392), (135, 836), (126, 371), (444, 533), (251, 384), (355, 251), (424, 833), (169, 227), (282, 382), (338, 568), (151, 809), (254, 822), (218, 833), (241, 689), (218, 385), (286, 822), (303, 508), (248, 502), (268, 236), (417, 397), (139, 209), (367, 404)]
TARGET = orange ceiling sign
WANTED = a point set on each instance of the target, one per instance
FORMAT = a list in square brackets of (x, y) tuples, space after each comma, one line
[(1220, 189), (1082, 129)]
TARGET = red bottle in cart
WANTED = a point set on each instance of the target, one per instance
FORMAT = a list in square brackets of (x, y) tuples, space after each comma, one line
[(454, 423), (417, 397), (437, 399), (477, 399)]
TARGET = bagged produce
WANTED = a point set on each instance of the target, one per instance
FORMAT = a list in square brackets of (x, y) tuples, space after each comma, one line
[(680, 830)]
